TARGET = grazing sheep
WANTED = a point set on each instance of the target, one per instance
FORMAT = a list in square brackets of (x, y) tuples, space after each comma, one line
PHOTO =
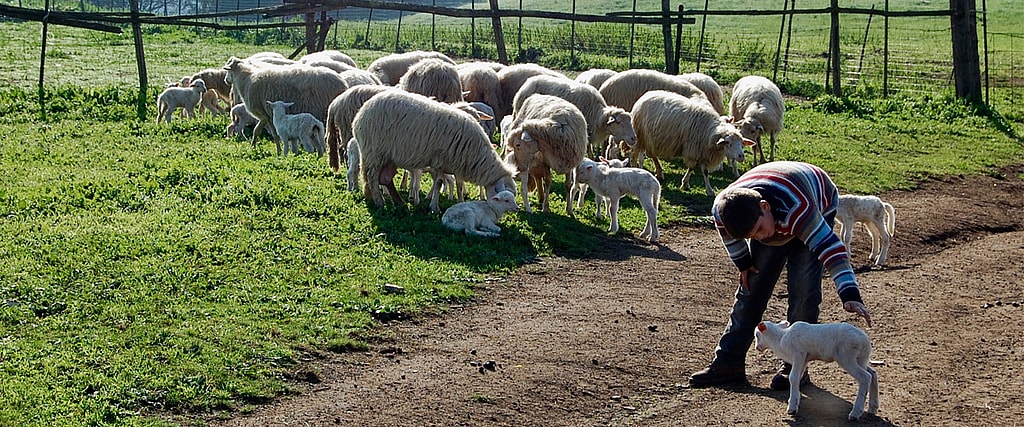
[(669, 125), (511, 78), (843, 343), (595, 76), (240, 119), (610, 184), (434, 78), (356, 77), (556, 130), (175, 97), (603, 120), (480, 217), (757, 108), (329, 55), (215, 82), (399, 129), (480, 83), (623, 89), (340, 115), (710, 87), (877, 216), (267, 59), (330, 64), (390, 68), (302, 128), (311, 89), (487, 123)]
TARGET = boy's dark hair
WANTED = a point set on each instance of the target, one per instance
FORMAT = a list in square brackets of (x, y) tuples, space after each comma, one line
[(739, 209)]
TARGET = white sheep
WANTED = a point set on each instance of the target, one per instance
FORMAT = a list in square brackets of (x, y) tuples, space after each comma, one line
[(330, 55), (712, 90), (511, 78), (340, 115), (625, 88), (267, 59), (595, 76), (610, 184), (434, 78), (480, 83), (399, 129), (175, 97), (843, 343), (330, 64), (480, 217), (556, 130), (301, 128), (240, 119), (311, 89), (877, 216), (757, 107), (603, 120), (669, 125), (390, 68), (356, 77)]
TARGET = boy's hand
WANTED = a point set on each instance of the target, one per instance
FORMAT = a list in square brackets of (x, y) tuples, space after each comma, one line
[(859, 308)]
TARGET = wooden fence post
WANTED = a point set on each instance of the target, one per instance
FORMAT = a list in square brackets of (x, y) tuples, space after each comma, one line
[(666, 32), (499, 33), (42, 63), (140, 58), (966, 67), (834, 56)]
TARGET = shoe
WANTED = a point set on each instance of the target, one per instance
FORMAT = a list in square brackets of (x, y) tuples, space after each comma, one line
[(781, 380), (718, 374)]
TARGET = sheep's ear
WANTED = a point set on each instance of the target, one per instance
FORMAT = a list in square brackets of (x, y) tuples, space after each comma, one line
[(760, 128), (602, 159), (747, 142), (526, 136), (288, 104), (483, 117), (728, 119), (611, 119), (784, 323), (761, 327)]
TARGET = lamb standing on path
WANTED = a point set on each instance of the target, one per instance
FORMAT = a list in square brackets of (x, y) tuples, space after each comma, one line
[(610, 184), (294, 129), (480, 217), (843, 343), (876, 215)]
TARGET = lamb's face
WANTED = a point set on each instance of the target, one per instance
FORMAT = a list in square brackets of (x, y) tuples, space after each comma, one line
[(585, 171)]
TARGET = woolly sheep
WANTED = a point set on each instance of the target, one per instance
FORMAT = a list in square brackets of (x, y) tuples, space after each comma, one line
[(311, 89), (669, 125), (390, 68), (877, 216), (843, 343), (269, 59), (356, 77), (595, 76), (480, 217), (480, 83), (557, 130), (399, 129), (623, 89), (330, 64), (331, 55), (302, 128), (711, 89), (215, 82), (757, 108), (340, 115), (610, 184), (511, 78), (434, 78), (603, 120), (240, 119), (173, 98)]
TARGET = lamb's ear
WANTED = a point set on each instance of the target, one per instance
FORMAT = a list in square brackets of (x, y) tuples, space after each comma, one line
[(611, 119), (747, 142), (761, 327), (728, 119), (784, 323), (526, 136)]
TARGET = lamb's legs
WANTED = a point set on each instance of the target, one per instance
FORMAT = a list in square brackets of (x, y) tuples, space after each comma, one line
[(613, 212), (873, 405), (864, 379), (795, 374), (651, 230)]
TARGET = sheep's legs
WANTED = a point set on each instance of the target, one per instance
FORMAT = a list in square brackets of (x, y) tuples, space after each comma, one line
[(795, 374), (651, 230), (865, 379), (387, 179), (613, 212), (707, 183)]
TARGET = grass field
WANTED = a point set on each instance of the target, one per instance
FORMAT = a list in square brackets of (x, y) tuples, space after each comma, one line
[(152, 270)]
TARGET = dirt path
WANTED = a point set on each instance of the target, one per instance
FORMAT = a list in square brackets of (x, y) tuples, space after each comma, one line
[(611, 339)]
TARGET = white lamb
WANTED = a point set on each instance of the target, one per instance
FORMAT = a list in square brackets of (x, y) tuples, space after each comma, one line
[(580, 190), (877, 216), (756, 107), (353, 165), (480, 217), (843, 343), (294, 129), (240, 119), (175, 97), (610, 184)]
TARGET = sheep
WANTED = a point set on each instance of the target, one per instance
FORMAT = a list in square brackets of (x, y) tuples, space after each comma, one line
[(843, 343), (480, 83), (311, 89), (356, 77), (330, 64), (268, 59), (173, 98), (709, 87), (303, 128), (399, 129), (390, 68), (215, 82), (511, 78), (330, 55), (669, 125), (756, 107), (340, 115), (877, 216), (610, 184), (554, 128), (240, 119), (434, 78), (603, 120), (488, 123), (623, 89), (595, 76), (480, 217)]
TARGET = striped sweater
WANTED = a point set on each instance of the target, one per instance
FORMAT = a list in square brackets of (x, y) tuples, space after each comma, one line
[(803, 200)]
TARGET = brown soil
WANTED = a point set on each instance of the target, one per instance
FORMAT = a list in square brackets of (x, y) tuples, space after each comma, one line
[(611, 339)]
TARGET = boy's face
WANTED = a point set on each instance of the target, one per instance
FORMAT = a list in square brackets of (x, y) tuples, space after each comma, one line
[(764, 228)]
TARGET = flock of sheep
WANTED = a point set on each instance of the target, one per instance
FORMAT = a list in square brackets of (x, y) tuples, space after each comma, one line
[(423, 112)]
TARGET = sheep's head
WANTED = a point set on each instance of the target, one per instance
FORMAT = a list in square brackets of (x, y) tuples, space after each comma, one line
[(198, 84), (731, 142), (586, 170), (523, 146), (751, 128), (620, 126)]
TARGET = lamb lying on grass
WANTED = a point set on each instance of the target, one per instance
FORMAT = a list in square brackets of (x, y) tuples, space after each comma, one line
[(610, 184), (842, 343), (480, 217), (877, 216)]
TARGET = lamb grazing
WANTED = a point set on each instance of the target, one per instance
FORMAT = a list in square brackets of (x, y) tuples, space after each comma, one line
[(399, 129), (301, 128), (311, 89), (603, 120), (877, 216), (511, 78), (330, 55), (175, 97), (625, 88), (434, 78), (843, 343), (240, 119), (390, 68), (610, 184), (595, 76), (488, 122), (669, 125), (757, 108), (480, 83), (480, 217), (340, 115), (712, 90), (216, 83), (557, 130)]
